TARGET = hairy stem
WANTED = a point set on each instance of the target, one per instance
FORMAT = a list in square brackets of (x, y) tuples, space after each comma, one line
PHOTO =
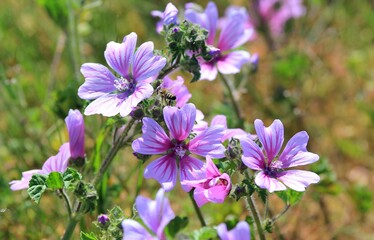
[(254, 213), (232, 99), (70, 228), (197, 209), (281, 213), (66, 199), (139, 183)]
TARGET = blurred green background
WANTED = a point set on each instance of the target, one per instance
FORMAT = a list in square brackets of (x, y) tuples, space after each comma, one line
[(320, 79)]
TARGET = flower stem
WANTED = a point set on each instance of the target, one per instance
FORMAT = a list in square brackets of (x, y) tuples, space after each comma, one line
[(197, 209), (281, 213), (232, 99), (112, 153), (70, 228), (138, 184), (254, 212), (66, 199), (73, 38)]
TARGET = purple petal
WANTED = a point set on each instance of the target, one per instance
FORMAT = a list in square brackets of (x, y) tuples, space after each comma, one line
[(180, 121), (211, 12), (119, 55), (170, 14), (271, 184), (75, 125), (154, 139), (298, 180), (219, 120), (241, 231), (164, 170), (270, 137), (252, 154), (108, 105), (16, 185), (232, 62), (145, 63), (211, 169), (58, 163), (132, 230), (141, 92), (222, 232), (99, 81), (208, 71), (231, 32), (295, 152), (190, 169), (208, 142), (200, 197), (156, 214), (178, 89), (200, 125), (219, 192)]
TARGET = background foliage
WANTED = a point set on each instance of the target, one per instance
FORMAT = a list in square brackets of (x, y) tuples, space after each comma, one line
[(321, 79)]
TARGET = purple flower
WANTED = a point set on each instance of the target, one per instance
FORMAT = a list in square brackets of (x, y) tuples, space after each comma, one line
[(75, 125), (277, 12), (241, 231), (233, 34), (167, 17), (57, 163), (214, 187), (103, 219), (155, 215), (177, 148), (178, 89), (273, 174), (120, 94)]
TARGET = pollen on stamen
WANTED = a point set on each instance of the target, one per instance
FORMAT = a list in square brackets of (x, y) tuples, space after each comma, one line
[(121, 84)]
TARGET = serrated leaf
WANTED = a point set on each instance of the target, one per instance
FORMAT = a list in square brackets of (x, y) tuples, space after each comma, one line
[(37, 186), (290, 196), (55, 181), (87, 236), (70, 178), (175, 225)]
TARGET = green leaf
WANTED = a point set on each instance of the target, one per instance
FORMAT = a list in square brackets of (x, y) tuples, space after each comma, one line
[(70, 178), (290, 196), (55, 181), (205, 233), (37, 186), (175, 225), (87, 236)]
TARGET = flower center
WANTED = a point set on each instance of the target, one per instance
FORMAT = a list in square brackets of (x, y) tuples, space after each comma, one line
[(180, 150), (217, 181), (274, 169), (122, 84)]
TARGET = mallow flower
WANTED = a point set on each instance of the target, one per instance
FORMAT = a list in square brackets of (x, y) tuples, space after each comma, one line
[(177, 147), (68, 151), (213, 187), (178, 89), (234, 33), (241, 231), (120, 94), (156, 214), (277, 12), (169, 16), (274, 174)]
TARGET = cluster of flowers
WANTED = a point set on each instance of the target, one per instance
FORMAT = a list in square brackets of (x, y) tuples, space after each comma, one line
[(187, 134)]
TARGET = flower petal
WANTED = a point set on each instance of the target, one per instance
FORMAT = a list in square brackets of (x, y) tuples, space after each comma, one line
[(75, 125), (208, 142), (16, 185), (270, 137), (132, 230), (145, 63), (108, 105), (252, 154), (58, 163), (211, 12), (231, 32), (180, 121), (119, 55), (99, 81), (295, 152), (271, 184), (190, 169), (141, 92), (241, 231), (164, 170), (199, 194), (232, 62), (154, 139), (208, 71), (298, 180)]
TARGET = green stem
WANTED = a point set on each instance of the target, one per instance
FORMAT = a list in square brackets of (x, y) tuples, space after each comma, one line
[(67, 200), (112, 153), (70, 229), (73, 39), (139, 183), (232, 99), (197, 209), (280, 214), (254, 212)]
